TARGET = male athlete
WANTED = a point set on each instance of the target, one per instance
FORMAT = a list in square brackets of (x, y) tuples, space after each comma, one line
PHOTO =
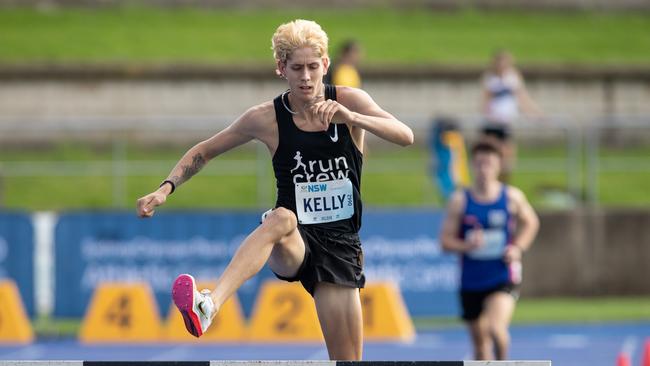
[(490, 224), (315, 134)]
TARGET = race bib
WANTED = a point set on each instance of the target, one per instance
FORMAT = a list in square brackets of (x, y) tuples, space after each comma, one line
[(494, 244), (320, 202)]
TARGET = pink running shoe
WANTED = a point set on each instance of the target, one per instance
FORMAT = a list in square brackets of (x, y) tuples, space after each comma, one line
[(196, 307)]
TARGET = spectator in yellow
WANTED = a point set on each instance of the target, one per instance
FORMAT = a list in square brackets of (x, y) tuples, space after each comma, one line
[(344, 71)]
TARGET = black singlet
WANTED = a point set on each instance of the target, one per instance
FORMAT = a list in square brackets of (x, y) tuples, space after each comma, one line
[(316, 157)]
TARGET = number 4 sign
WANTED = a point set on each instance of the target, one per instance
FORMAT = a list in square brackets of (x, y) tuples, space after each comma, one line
[(120, 312)]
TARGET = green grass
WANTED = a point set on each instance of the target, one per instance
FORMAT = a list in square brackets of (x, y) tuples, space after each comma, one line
[(46, 327), (528, 311), (583, 310), (616, 188), (564, 311), (393, 177), (389, 36)]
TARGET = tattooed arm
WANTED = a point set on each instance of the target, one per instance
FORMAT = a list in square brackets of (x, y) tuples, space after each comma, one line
[(191, 163), (247, 127)]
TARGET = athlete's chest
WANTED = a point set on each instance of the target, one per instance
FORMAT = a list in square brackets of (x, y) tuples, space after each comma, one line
[(494, 215), (333, 140)]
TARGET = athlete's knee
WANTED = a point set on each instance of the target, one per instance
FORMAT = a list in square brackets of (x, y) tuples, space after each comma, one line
[(281, 220), (500, 332)]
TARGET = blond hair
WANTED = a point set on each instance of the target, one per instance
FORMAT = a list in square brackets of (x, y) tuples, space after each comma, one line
[(296, 34)]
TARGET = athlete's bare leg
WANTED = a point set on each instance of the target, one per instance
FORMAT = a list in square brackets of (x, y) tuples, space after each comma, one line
[(509, 151), (499, 308), (339, 312), (276, 240), (481, 339)]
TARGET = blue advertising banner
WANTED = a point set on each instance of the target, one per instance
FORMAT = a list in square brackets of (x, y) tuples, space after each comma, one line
[(402, 245), (17, 254), (91, 248)]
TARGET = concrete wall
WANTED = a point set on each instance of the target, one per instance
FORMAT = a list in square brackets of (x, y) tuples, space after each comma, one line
[(590, 253), (37, 99)]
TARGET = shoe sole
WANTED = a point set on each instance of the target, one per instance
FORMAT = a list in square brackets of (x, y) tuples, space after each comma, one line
[(183, 295)]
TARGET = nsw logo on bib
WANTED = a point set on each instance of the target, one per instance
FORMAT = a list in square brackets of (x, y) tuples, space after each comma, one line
[(493, 246), (320, 202)]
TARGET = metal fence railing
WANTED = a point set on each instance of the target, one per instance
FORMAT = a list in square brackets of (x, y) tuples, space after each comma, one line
[(577, 152)]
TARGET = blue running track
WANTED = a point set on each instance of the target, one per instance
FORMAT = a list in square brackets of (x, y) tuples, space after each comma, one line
[(564, 345)]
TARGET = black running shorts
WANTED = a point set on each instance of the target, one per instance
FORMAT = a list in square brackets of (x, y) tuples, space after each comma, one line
[(329, 257), (499, 131), (473, 301)]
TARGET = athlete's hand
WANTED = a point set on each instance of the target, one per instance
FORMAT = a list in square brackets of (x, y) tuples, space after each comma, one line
[(147, 204), (512, 254), (324, 112), (474, 240)]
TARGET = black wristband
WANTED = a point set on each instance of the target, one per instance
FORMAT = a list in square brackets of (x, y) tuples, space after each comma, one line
[(170, 183)]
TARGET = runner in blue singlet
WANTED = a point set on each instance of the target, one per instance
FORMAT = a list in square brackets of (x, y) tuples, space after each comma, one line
[(490, 225)]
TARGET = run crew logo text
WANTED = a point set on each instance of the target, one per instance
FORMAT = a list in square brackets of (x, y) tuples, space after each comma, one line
[(319, 170)]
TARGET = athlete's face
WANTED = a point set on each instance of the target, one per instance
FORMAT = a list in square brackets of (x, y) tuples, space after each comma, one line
[(486, 166), (502, 63), (304, 71)]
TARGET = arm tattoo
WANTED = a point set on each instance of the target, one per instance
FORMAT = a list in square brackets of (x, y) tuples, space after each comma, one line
[(197, 163), (189, 170)]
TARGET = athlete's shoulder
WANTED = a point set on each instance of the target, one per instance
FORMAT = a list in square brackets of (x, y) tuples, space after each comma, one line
[(518, 203), (344, 90), (262, 110), (457, 200), (259, 113), (351, 97), (257, 121), (514, 193)]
